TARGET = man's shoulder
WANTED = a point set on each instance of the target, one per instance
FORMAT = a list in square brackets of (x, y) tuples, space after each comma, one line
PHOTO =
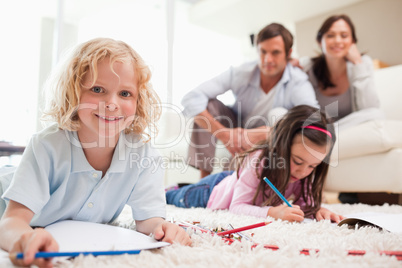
[(246, 68), (296, 74)]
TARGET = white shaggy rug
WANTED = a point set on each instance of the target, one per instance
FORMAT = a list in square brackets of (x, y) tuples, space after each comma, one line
[(332, 242)]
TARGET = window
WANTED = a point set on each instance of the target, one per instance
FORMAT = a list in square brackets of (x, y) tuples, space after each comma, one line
[(198, 54)]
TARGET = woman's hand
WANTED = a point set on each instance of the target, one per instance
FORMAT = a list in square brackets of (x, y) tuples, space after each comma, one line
[(286, 213), (170, 232), (354, 55), (295, 63), (325, 214), (30, 243)]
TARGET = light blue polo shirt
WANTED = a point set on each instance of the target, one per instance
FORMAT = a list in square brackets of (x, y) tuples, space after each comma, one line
[(55, 180)]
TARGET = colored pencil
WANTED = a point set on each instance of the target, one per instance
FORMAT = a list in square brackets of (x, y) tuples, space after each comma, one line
[(74, 254), (277, 192), (244, 228)]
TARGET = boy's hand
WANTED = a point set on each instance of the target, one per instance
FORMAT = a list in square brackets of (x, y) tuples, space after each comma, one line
[(325, 214), (169, 232), (30, 243), (286, 213)]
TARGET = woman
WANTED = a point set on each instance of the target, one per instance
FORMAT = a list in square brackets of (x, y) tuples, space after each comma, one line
[(342, 78)]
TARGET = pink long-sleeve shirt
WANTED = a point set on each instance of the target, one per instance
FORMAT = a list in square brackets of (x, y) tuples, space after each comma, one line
[(236, 194)]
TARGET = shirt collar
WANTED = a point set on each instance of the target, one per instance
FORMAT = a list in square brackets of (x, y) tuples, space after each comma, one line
[(255, 79), (120, 156), (79, 162), (286, 74)]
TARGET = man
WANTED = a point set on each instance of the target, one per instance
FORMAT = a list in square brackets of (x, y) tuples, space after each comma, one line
[(262, 89)]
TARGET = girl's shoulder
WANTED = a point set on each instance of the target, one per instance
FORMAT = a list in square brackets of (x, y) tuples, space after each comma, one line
[(253, 159)]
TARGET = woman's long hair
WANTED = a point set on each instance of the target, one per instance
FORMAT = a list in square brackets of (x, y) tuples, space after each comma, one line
[(277, 149)]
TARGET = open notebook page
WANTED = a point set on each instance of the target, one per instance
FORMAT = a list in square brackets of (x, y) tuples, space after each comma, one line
[(389, 222), (89, 236)]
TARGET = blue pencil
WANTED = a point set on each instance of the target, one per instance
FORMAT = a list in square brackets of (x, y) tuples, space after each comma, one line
[(277, 192), (75, 254)]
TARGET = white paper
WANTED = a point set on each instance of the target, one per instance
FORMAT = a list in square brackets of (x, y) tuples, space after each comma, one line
[(89, 236), (389, 222)]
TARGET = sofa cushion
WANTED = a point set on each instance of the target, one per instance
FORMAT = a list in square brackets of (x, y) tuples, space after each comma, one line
[(389, 88), (367, 173), (372, 137)]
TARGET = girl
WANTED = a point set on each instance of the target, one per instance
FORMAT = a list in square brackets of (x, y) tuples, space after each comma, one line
[(295, 159), (81, 168)]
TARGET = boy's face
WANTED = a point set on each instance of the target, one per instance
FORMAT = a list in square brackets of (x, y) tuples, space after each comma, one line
[(305, 156), (272, 57), (108, 104)]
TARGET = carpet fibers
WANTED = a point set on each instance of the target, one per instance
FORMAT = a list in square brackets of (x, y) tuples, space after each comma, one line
[(332, 242)]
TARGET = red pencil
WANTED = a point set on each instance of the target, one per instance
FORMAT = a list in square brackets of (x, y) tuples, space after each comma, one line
[(244, 228)]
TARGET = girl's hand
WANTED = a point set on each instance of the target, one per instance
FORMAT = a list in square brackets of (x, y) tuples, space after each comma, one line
[(354, 55), (325, 214), (30, 243), (286, 213), (170, 232)]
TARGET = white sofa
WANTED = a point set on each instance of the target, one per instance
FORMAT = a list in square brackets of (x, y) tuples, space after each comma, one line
[(367, 158)]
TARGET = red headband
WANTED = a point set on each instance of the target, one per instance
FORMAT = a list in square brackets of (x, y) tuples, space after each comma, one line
[(320, 129)]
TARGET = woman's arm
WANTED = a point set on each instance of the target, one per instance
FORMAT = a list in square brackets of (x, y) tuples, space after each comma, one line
[(361, 79)]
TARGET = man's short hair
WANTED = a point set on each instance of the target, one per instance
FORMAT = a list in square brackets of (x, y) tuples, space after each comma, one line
[(273, 30)]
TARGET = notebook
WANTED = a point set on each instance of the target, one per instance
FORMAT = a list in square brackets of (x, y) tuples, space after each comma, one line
[(385, 221), (89, 236)]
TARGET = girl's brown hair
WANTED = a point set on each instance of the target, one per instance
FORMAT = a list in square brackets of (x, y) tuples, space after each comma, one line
[(65, 85), (278, 146)]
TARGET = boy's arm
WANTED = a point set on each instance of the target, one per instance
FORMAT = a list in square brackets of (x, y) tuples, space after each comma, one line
[(163, 230), (13, 224), (16, 235)]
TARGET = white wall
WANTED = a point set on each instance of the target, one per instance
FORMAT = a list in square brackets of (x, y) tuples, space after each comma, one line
[(18, 70)]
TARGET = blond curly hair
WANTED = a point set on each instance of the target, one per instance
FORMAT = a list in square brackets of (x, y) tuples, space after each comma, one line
[(65, 86)]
